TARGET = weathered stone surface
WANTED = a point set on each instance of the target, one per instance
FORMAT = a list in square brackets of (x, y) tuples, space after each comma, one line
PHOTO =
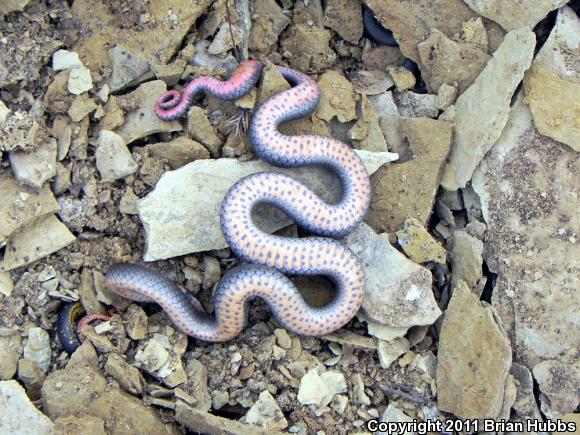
[(35, 167), (552, 85), (419, 245), (182, 214), (22, 205), (466, 259), (483, 110), (412, 22), (142, 121), (367, 130), (447, 61), (266, 413), (114, 160), (268, 22), (46, 236), (337, 97), (527, 186), (37, 348), (474, 358), (308, 48), (84, 425), (345, 18), (200, 129), (10, 348), (19, 416), (408, 189), (81, 389), (514, 14), (559, 383), (398, 291)]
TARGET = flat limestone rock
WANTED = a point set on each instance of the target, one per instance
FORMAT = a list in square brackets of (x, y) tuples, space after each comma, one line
[(35, 167), (483, 109), (552, 85), (45, 237), (408, 189), (474, 358), (22, 205), (527, 186), (19, 416), (181, 215), (512, 15), (398, 292)]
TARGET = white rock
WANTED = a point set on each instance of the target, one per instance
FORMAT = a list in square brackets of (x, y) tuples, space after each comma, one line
[(6, 285), (559, 384), (398, 291), (64, 59), (266, 413), (393, 414), (483, 109), (35, 167), (19, 416), (313, 390), (181, 215), (389, 351), (4, 112), (37, 348), (114, 160), (80, 80), (45, 237)]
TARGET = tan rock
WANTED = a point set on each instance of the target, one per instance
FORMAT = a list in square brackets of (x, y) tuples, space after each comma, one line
[(408, 189), (266, 413), (473, 360), (345, 18), (10, 349), (403, 78), (552, 85), (419, 245), (267, 24), (179, 151), (526, 185), (466, 259), (483, 110), (200, 129), (113, 158), (337, 97), (447, 61), (84, 425), (559, 383), (516, 14), (307, 48), (367, 130)]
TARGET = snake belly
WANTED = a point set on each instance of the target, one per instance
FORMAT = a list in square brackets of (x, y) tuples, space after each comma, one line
[(269, 256)]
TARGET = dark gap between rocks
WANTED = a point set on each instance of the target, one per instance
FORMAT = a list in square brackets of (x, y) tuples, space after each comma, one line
[(487, 293)]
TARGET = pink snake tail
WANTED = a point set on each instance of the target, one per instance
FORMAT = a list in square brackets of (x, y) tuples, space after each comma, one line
[(269, 256)]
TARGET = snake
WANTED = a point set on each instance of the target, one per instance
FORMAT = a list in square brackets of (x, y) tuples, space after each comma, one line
[(268, 258)]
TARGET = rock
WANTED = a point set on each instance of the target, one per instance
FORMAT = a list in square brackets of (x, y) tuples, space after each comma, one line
[(345, 18), (125, 374), (359, 390), (389, 351), (419, 245), (142, 121), (447, 61), (307, 48), (136, 322), (514, 15), (114, 115), (114, 160), (159, 358), (525, 185), (11, 6), (32, 376), (35, 167), (197, 381), (204, 422), (319, 389), (6, 286), (22, 132), (282, 338), (37, 348), (446, 96), (84, 425), (170, 74), (559, 384), (46, 236), (222, 41), (466, 259), (23, 205), (552, 85), (266, 413), (408, 189), (19, 416), (400, 298), (483, 110), (371, 82), (402, 77), (199, 128), (81, 389), (367, 129), (128, 203), (176, 223), (80, 80), (414, 105), (268, 22), (412, 22), (81, 106), (4, 113), (394, 414), (179, 151), (474, 358), (10, 348), (64, 59), (337, 97), (525, 406)]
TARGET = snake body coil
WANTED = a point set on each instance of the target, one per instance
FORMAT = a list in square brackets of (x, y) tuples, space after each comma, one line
[(270, 256)]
